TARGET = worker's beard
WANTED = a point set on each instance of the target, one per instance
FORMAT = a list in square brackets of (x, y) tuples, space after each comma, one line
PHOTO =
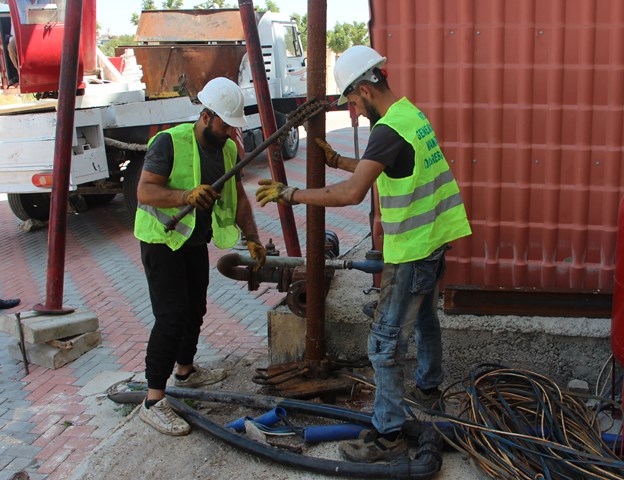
[(371, 112), (212, 139)]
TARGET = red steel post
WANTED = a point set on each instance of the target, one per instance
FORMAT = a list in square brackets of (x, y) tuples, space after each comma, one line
[(62, 161), (267, 118), (315, 172), (88, 37)]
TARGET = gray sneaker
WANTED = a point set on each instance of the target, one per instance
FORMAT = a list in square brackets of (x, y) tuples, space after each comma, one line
[(162, 417), (432, 400), (201, 376), (372, 447)]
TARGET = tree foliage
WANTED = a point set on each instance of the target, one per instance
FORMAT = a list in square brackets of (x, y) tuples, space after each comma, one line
[(172, 4), (302, 26), (109, 48), (345, 35), (145, 5)]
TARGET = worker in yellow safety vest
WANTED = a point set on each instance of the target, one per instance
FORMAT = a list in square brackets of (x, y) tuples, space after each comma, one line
[(421, 212), (180, 165)]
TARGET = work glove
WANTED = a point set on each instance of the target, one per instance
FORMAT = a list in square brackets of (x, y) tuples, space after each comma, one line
[(331, 156), (272, 191), (202, 197), (257, 252)]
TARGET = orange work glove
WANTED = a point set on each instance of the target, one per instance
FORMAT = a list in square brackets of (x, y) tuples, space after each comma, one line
[(257, 251), (202, 197), (332, 157)]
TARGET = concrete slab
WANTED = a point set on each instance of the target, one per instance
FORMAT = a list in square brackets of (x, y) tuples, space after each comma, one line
[(286, 333), (54, 357), (100, 383), (40, 328)]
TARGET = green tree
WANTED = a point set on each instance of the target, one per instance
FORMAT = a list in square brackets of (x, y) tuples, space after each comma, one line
[(345, 35), (172, 4), (302, 26), (109, 48), (145, 5), (271, 6)]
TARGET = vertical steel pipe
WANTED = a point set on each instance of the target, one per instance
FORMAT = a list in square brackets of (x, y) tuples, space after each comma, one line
[(315, 171), (62, 161), (88, 37), (267, 118)]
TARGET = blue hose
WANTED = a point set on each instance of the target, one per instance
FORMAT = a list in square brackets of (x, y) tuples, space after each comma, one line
[(328, 433), (267, 419)]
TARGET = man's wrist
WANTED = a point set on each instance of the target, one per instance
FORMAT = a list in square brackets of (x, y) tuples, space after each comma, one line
[(252, 237), (288, 194)]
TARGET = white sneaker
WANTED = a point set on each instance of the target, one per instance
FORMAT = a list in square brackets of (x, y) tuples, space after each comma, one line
[(201, 376), (162, 417)]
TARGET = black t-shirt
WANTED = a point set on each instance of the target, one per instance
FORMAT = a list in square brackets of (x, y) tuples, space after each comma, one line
[(387, 147), (159, 160)]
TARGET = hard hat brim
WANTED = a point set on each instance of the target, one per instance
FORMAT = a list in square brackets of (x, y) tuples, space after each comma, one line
[(342, 100), (235, 121)]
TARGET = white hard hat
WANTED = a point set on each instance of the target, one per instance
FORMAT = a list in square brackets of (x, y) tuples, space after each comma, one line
[(225, 98), (354, 65)]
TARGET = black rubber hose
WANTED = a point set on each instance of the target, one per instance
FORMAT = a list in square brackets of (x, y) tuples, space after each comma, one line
[(426, 463), (249, 400)]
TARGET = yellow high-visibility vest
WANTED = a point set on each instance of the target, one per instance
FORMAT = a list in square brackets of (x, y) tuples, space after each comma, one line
[(424, 211), (185, 175)]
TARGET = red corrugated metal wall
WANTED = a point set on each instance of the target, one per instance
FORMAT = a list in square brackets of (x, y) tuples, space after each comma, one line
[(526, 99)]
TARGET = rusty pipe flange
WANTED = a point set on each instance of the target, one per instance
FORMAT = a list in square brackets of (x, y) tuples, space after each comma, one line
[(296, 298)]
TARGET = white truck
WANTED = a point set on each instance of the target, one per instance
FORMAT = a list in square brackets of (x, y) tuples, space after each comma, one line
[(125, 100)]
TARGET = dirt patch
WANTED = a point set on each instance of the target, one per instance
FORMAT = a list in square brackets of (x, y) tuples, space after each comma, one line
[(135, 450)]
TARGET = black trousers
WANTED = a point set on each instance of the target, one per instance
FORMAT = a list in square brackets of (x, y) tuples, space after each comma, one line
[(177, 286)]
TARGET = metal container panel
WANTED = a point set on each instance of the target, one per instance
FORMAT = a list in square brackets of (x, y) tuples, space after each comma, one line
[(526, 99), (199, 25)]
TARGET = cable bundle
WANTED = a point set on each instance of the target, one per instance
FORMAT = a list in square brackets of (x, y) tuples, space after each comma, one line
[(518, 424)]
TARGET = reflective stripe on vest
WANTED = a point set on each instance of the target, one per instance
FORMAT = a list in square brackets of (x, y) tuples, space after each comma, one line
[(185, 175), (421, 212), (163, 218)]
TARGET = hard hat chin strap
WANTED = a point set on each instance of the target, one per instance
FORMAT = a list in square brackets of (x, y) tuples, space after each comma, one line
[(371, 75)]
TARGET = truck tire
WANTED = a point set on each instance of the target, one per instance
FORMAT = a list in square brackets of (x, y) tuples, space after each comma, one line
[(291, 144), (98, 199), (131, 176), (30, 205)]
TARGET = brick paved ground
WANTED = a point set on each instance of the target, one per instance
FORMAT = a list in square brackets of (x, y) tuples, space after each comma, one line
[(46, 426)]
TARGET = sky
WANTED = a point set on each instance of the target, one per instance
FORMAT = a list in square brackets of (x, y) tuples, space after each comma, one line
[(114, 15)]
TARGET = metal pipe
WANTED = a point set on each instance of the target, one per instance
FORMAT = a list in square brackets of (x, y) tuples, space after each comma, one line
[(236, 259), (315, 171), (88, 38), (267, 119), (62, 161)]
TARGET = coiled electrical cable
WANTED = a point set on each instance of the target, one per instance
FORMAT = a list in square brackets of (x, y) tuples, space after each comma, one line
[(518, 424)]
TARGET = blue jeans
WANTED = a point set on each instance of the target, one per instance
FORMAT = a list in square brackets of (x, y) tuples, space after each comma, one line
[(407, 305)]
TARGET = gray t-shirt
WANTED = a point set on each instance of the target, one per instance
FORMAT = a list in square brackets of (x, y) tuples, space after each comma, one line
[(159, 160)]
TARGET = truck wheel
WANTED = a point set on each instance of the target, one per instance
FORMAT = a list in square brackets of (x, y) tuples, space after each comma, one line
[(30, 205), (97, 199), (291, 145), (131, 176)]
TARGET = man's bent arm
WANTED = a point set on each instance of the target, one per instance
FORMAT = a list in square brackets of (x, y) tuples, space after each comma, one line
[(152, 191)]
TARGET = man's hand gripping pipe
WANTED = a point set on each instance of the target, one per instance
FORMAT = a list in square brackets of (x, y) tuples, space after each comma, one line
[(301, 115)]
